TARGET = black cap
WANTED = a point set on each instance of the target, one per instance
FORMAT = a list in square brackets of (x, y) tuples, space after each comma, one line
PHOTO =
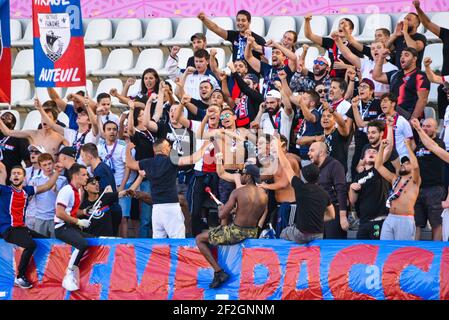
[(404, 159), (90, 179), (68, 151), (253, 171)]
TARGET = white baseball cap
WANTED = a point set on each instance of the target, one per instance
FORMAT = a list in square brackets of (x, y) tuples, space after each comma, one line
[(326, 59), (41, 149), (273, 94)]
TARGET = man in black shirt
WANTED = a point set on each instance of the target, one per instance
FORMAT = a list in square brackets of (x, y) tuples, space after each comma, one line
[(432, 192), (443, 34), (406, 36), (368, 194), (236, 37), (333, 180), (335, 137), (409, 84)]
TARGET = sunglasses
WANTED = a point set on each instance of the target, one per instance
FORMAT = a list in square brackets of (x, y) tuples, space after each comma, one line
[(322, 91), (364, 87), (225, 116), (319, 62)]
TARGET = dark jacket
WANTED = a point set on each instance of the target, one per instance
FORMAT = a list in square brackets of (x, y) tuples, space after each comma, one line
[(333, 180)]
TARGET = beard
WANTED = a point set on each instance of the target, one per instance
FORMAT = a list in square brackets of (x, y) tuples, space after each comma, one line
[(318, 72), (410, 29), (403, 172)]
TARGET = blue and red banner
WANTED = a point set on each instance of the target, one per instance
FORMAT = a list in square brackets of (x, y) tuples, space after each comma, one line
[(5, 53), (260, 270), (58, 44)]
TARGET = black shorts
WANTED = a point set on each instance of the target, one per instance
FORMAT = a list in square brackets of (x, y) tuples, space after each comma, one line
[(428, 206), (370, 230)]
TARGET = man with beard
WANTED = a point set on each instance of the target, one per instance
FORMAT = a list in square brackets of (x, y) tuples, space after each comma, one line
[(368, 194), (13, 201), (304, 79), (409, 84), (337, 93), (333, 180), (251, 205), (400, 222), (406, 36)]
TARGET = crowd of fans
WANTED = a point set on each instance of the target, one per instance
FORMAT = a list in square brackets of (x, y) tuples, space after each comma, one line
[(265, 148)]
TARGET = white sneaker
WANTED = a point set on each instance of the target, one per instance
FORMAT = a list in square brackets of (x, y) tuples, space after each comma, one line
[(69, 282)]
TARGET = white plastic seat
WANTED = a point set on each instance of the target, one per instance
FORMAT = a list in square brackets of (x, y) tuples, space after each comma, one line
[(183, 56), (435, 51), (278, 26), (148, 58), (353, 18), (401, 18), (214, 39), (319, 27), (16, 30), (441, 19), (312, 54), (106, 85), (221, 57), (89, 86), (24, 64), (158, 30), (433, 94), (94, 60), (97, 30), (20, 90), (16, 115), (32, 120), (429, 112), (42, 94), (186, 28), (62, 117), (127, 31), (27, 40), (258, 26), (373, 22), (119, 60)]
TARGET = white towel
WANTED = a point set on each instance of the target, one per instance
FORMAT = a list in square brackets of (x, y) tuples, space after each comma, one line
[(445, 225)]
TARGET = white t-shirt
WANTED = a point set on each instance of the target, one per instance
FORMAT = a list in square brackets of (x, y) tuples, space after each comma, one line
[(69, 198), (117, 159), (402, 131), (343, 107), (367, 67), (110, 117), (78, 139), (193, 81), (284, 120), (446, 128)]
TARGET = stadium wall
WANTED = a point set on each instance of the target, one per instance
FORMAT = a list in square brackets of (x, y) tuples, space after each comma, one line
[(21, 9), (260, 269)]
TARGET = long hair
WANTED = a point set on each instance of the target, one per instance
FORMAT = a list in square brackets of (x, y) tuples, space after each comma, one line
[(143, 88)]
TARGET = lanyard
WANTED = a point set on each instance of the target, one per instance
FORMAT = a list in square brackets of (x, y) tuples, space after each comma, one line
[(109, 155), (32, 172), (78, 142), (336, 104), (177, 144), (395, 195), (364, 111)]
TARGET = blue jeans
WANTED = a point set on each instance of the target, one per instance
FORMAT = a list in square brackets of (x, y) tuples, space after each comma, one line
[(145, 212)]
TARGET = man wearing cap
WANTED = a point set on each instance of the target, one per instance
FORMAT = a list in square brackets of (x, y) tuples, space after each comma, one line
[(66, 158), (305, 79), (251, 203), (273, 116), (12, 150), (400, 222)]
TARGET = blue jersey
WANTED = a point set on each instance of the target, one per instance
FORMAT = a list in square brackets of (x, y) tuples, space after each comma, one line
[(12, 206)]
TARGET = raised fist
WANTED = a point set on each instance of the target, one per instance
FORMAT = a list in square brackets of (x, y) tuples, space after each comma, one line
[(130, 81), (113, 92), (202, 16), (427, 61)]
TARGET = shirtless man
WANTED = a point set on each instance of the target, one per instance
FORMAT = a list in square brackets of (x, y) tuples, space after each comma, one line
[(251, 203), (283, 190), (46, 137), (400, 222)]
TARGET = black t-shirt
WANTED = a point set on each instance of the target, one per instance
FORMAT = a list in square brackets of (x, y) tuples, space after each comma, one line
[(201, 113), (13, 151), (444, 36), (182, 141), (372, 196), (368, 111), (388, 164), (143, 140), (331, 47), (430, 166), (162, 174), (406, 87), (239, 44), (400, 45), (101, 224), (337, 147), (270, 75), (107, 179), (312, 201)]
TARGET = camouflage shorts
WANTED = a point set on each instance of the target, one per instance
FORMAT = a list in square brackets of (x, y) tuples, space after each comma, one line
[(231, 234)]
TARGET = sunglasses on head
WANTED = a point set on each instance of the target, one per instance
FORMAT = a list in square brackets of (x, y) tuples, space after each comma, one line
[(319, 62), (225, 116)]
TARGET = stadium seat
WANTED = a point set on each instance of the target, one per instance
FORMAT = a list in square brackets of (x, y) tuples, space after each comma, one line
[(401, 18), (186, 28), (97, 30), (148, 58), (127, 31), (278, 26), (214, 39), (16, 114), (135, 88), (312, 54), (119, 60), (27, 40), (89, 86), (106, 85), (435, 51), (40, 93), (353, 18), (221, 57), (183, 56), (16, 30), (433, 94), (62, 117), (258, 26), (94, 60), (24, 64), (441, 19), (373, 22), (319, 27), (429, 112), (158, 29), (32, 120), (20, 90)]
